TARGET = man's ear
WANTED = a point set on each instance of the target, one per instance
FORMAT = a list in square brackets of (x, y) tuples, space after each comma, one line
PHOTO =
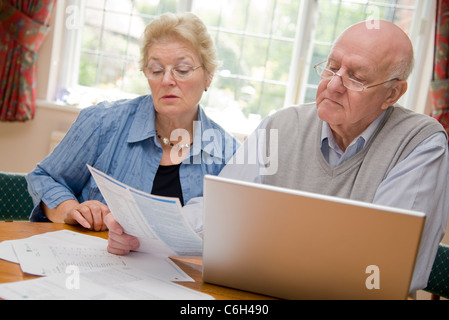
[(396, 91)]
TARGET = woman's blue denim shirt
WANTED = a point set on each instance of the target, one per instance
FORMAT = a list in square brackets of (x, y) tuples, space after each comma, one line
[(119, 139)]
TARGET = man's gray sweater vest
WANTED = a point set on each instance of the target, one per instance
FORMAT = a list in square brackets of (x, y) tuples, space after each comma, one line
[(302, 166)]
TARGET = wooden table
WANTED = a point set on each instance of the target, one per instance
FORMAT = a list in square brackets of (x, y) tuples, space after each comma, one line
[(11, 272)]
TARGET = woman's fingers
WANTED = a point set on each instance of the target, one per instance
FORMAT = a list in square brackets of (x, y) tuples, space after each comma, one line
[(90, 215)]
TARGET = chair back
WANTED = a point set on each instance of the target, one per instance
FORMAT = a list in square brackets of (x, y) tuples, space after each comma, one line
[(438, 283), (15, 201)]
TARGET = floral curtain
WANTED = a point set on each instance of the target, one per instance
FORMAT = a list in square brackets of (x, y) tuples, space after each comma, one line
[(23, 26), (439, 89)]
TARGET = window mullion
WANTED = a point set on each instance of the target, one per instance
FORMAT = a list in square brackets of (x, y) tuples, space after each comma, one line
[(267, 56), (71, 43), (302, 52), (242, 48), (185, 5), (422, 36)]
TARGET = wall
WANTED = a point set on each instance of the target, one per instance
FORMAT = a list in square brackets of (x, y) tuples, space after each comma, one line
[(23, 145)]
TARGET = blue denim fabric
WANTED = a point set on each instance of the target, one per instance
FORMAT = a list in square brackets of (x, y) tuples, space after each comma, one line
[(119, 138)]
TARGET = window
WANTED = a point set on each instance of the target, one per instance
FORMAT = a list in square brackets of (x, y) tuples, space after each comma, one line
[(267, 48), (255, 41)]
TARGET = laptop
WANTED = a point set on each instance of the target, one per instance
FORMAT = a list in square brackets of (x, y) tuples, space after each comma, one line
[(297, 245)]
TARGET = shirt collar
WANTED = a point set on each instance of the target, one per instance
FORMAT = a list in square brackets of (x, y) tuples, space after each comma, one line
[(143, 124), (205, 132), (326, 134)]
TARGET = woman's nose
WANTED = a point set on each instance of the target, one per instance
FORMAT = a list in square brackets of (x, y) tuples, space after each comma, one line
[(168, 78)]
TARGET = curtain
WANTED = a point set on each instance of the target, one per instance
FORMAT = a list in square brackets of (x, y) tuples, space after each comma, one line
[(439, 88), (23, 26)]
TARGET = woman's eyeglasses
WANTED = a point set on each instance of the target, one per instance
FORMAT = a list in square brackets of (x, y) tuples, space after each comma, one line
[(180, 72)]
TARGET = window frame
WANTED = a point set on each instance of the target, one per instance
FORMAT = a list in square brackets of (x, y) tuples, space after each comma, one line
[(422, 37), (63, 69)]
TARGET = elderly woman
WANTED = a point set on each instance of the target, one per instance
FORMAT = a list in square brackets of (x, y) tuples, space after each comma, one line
[(153, 143)]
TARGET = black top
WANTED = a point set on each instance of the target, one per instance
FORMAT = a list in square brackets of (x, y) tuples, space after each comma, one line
[(166, 182)]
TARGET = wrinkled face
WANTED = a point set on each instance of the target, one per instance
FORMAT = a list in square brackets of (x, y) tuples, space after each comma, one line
[(176, 97), (359, 57)]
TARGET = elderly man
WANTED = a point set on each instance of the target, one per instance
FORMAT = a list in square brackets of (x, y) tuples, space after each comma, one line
[(354, 142)]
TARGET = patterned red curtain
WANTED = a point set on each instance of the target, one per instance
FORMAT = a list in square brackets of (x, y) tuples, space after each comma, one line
[(439, 89), (23, 26)]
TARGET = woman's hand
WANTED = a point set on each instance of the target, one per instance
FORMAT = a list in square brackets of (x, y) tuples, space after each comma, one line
[(90, 214), (119, 242)]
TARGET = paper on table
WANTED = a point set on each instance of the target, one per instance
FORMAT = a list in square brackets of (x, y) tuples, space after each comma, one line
[(156, 266), (7, 251), (116, 283), (62, 237), (69, 242), (44, 260), (158, 222)]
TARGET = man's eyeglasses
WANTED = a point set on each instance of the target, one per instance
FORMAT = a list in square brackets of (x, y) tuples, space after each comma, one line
[(180, 72), (326, 74)]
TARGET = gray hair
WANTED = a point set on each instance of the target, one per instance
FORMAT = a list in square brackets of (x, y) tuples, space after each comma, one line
[(403, 68)]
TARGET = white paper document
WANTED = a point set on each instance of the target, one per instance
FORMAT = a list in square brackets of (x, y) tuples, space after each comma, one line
[(7, 252), (44, 260), (51, 253), (158, 222), (62, 237), (111, 284), (78, 266)]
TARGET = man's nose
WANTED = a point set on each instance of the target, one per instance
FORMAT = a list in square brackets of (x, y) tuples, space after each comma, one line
[(336, 83)]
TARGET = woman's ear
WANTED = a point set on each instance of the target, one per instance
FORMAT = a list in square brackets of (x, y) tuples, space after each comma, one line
[(209, 78)]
